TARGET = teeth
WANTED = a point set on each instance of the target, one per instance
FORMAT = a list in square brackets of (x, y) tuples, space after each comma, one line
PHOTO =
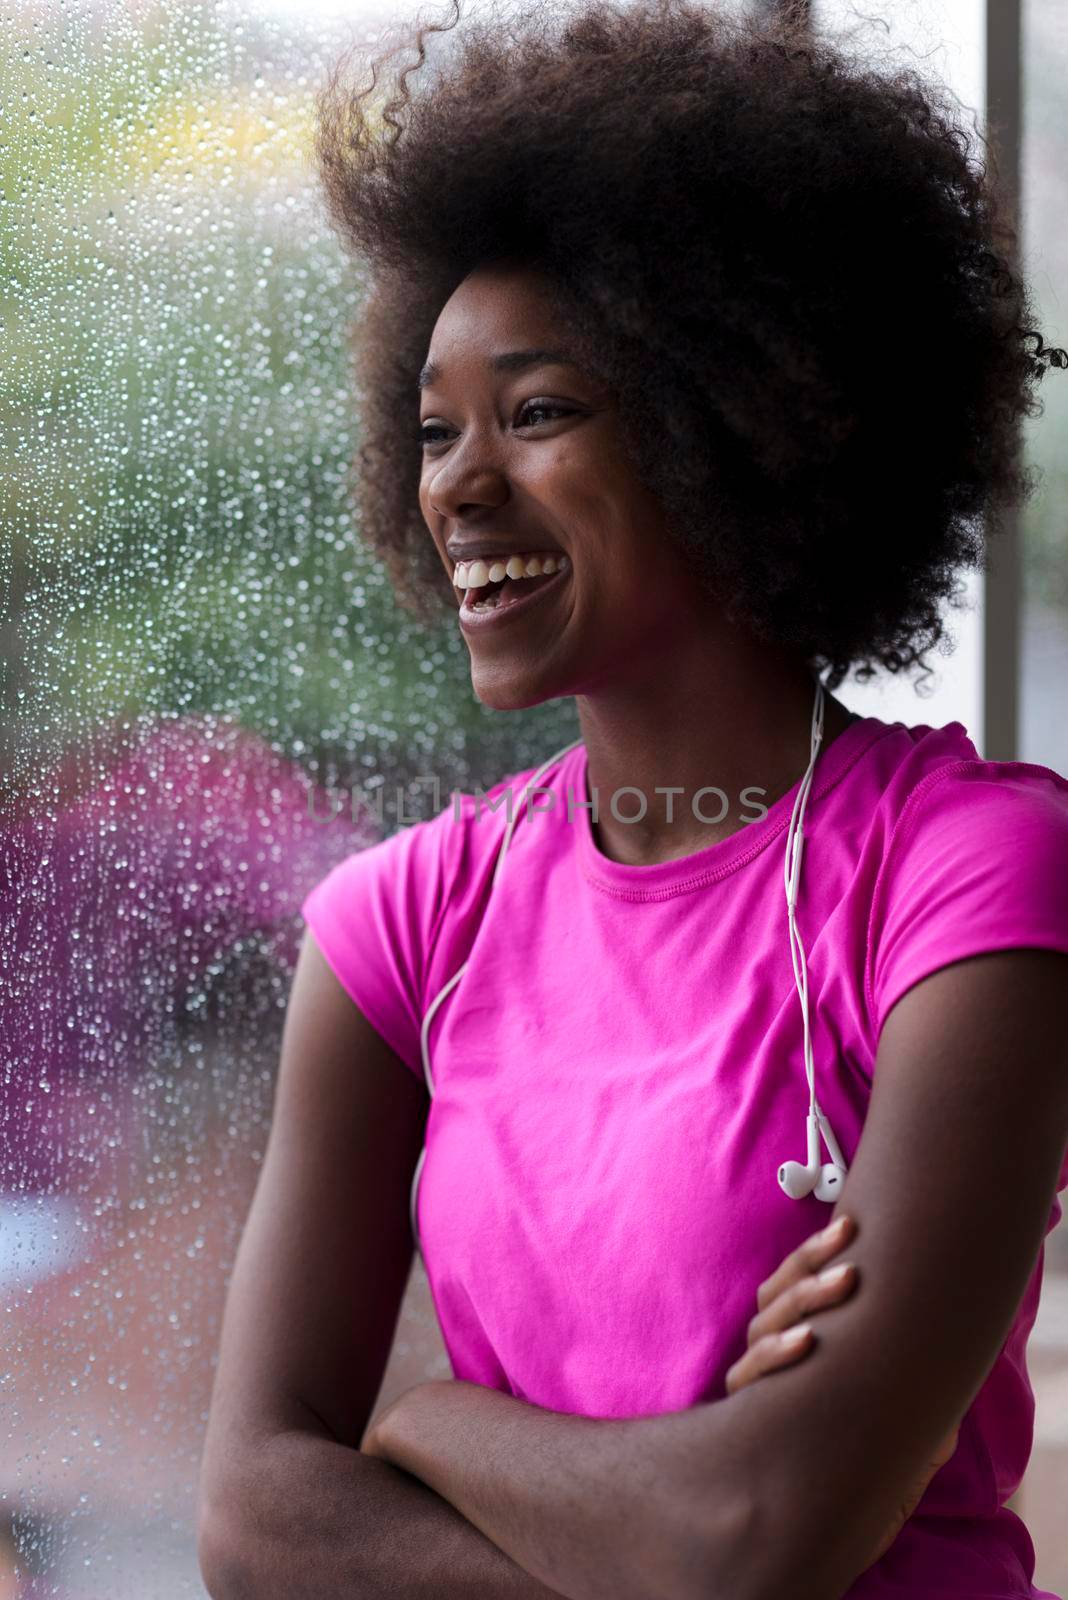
[(476, 574)]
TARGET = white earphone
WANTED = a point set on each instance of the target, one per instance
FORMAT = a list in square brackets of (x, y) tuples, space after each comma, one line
[(796, 1178)]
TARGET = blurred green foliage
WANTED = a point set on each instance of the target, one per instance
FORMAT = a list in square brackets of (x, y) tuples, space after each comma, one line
[(178, 418)]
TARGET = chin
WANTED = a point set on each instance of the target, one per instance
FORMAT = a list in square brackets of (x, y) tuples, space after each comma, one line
[(517, 691)]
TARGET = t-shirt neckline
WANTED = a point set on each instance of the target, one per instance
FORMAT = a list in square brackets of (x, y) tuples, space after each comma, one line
[(661, 880)]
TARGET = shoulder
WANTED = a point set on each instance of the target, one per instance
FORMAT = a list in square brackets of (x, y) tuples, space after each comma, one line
[(502, 816), (918, 787), (1007, 810), (425, 866), (974, 859)]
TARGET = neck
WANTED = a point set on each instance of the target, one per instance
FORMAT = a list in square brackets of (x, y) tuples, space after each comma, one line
[(726, 711)]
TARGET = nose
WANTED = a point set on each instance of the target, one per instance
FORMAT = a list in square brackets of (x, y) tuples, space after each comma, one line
[(471, 475)]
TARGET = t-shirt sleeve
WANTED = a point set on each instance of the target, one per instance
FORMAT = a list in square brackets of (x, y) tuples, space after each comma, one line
[(374, 917), (978, 862)]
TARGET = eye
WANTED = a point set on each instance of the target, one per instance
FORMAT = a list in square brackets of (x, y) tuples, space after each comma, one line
[(545, 405), (426, 430)]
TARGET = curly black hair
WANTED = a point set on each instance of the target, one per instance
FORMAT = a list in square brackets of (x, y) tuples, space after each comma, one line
[(792, 268)]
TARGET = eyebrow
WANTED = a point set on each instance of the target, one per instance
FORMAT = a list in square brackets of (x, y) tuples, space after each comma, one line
[(509, 361)]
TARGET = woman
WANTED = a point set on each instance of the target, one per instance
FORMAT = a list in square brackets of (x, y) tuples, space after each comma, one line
[(718, 352)]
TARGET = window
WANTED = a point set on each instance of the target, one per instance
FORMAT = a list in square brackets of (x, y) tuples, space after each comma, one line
[(210, 696)]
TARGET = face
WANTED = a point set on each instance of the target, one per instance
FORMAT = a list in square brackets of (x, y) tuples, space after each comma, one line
[(522, 457)]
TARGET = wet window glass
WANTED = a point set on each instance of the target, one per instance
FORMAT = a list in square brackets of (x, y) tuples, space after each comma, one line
[(209, 695)]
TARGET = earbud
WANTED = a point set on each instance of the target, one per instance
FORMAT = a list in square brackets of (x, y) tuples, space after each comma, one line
[(797, 1179), (824, 1180), (829, 1183)]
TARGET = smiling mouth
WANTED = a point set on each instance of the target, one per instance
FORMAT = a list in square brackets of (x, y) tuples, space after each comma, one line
[(496, 597)]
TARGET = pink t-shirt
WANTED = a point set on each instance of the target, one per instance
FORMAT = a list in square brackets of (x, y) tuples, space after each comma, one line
[(619, 1074)]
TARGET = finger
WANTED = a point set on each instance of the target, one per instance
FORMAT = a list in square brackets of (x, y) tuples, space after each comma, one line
[(809, 1256), (775, 1351), (816, 1293)]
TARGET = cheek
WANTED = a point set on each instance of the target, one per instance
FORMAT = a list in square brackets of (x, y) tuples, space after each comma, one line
[(589, 514)]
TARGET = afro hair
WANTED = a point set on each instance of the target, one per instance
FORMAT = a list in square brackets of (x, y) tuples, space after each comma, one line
[(792, 269)]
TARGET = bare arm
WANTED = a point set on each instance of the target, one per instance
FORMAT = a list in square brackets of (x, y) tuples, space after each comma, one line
[(598, 1508), (951, 1188), (777, 1489), (323, 1520), (287, 1504)]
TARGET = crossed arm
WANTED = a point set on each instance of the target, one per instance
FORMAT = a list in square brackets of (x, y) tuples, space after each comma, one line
[(777, 1489)]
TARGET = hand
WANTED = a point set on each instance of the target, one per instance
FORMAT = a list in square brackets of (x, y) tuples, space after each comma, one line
[(791, 1293)]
